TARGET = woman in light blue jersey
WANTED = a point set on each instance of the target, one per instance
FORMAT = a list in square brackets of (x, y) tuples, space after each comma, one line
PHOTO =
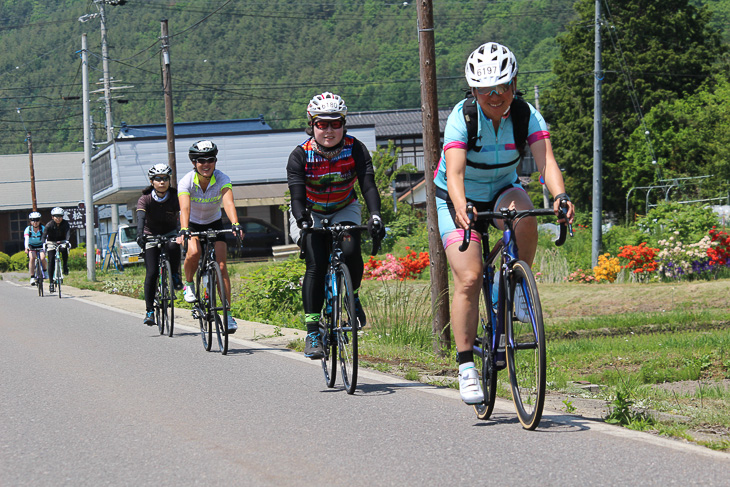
[(484, 174)]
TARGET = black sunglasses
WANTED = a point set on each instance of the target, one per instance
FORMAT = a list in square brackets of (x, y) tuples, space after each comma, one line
[(206, 160), (161, 179)]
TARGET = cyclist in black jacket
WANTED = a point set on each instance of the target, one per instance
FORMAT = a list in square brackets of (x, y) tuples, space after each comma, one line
[(158, 210), (57, 230)]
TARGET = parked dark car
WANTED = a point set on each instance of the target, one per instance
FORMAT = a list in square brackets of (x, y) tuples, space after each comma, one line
[(259, 237)]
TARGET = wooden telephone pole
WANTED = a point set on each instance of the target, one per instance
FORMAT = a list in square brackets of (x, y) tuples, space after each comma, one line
[(431, 140), (32, 174), (167, 89)]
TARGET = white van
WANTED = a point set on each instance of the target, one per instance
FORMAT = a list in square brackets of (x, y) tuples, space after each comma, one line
[(127, 244)]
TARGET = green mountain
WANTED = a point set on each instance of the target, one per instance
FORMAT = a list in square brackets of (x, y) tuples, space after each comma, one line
[(239, 59)]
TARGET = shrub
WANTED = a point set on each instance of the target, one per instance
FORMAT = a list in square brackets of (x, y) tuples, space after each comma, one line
[(687, 223), (19, 261), (4, 262), (77, 259), (272, 294)]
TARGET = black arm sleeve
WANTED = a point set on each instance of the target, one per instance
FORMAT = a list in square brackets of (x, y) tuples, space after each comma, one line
[(366, 177), (141, 215), (45, 233), (296, 178), (68, 232)]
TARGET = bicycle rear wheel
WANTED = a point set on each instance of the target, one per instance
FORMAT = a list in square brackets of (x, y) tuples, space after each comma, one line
[(484, 361), (218, 306), (206, 330), (346, 329), (526, 354)]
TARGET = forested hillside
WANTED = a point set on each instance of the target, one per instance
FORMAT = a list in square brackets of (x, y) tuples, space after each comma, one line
[(238, 59)]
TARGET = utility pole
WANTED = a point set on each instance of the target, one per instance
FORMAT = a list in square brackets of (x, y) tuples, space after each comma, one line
[(107, 102), (88, 197), (597, 143), (167, 90), (32, 174), (431, 139)]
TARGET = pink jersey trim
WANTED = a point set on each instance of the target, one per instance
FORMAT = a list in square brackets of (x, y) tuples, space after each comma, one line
[(539, 135), (457, 144)]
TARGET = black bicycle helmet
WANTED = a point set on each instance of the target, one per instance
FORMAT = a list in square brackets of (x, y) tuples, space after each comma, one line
[(202, 148)]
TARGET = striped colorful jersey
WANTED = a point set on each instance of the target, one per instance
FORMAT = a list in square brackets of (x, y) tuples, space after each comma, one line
[(330, 183)]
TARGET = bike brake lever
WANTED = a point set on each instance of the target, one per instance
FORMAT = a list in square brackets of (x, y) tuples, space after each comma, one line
[(467, 233)]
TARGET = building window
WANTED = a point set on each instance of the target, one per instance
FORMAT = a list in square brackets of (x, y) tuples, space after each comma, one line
[(18, 222)]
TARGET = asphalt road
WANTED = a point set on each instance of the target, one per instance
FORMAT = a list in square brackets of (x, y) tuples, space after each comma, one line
[(90, 396)]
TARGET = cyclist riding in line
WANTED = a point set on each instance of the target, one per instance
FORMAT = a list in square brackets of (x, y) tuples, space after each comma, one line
[(321, 174), (33, 236), (157, 214), (201, 192), (57, 230), (486, 176)]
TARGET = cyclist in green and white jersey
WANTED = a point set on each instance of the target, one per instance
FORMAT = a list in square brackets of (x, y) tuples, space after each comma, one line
[(201, 193)]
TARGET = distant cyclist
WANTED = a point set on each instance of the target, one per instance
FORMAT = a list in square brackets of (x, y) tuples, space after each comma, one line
[(485, 175), (33, 236), (157, 214), (321, 173), (201, 193), (57, 230)]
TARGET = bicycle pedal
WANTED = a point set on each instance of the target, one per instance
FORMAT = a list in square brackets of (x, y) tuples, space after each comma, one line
[(196, 314)]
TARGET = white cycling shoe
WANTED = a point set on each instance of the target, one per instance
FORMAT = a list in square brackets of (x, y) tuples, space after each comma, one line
[(521, 312), (471, 392), (189, 294)]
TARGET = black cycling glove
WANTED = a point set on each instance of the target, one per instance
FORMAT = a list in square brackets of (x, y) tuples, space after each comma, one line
[(376, 227)]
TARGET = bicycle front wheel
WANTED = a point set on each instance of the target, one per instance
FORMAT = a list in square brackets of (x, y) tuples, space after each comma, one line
[(526, 354), (329, 360), (346, 329), (218, 306), (39, 277), (201, 310), (59, 275), (164, 298)]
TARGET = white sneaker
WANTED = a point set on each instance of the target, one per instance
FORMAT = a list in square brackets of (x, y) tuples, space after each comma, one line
[(32, 281), (471, 392), (521, 311), (189, 294)]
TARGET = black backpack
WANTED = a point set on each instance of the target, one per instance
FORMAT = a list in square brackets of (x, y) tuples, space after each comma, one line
[(520, 112)]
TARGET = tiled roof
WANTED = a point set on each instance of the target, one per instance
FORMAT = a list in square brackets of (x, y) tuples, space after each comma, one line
[(396, 123)]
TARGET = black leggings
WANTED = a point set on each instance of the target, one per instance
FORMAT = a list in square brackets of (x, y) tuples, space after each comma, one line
[(316, 256), (52, 261), (152, 263)]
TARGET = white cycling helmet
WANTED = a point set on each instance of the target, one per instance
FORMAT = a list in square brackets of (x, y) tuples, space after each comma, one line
[(326, 106), (490, 64), (159, 170), (57, 211), (34, 216)]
